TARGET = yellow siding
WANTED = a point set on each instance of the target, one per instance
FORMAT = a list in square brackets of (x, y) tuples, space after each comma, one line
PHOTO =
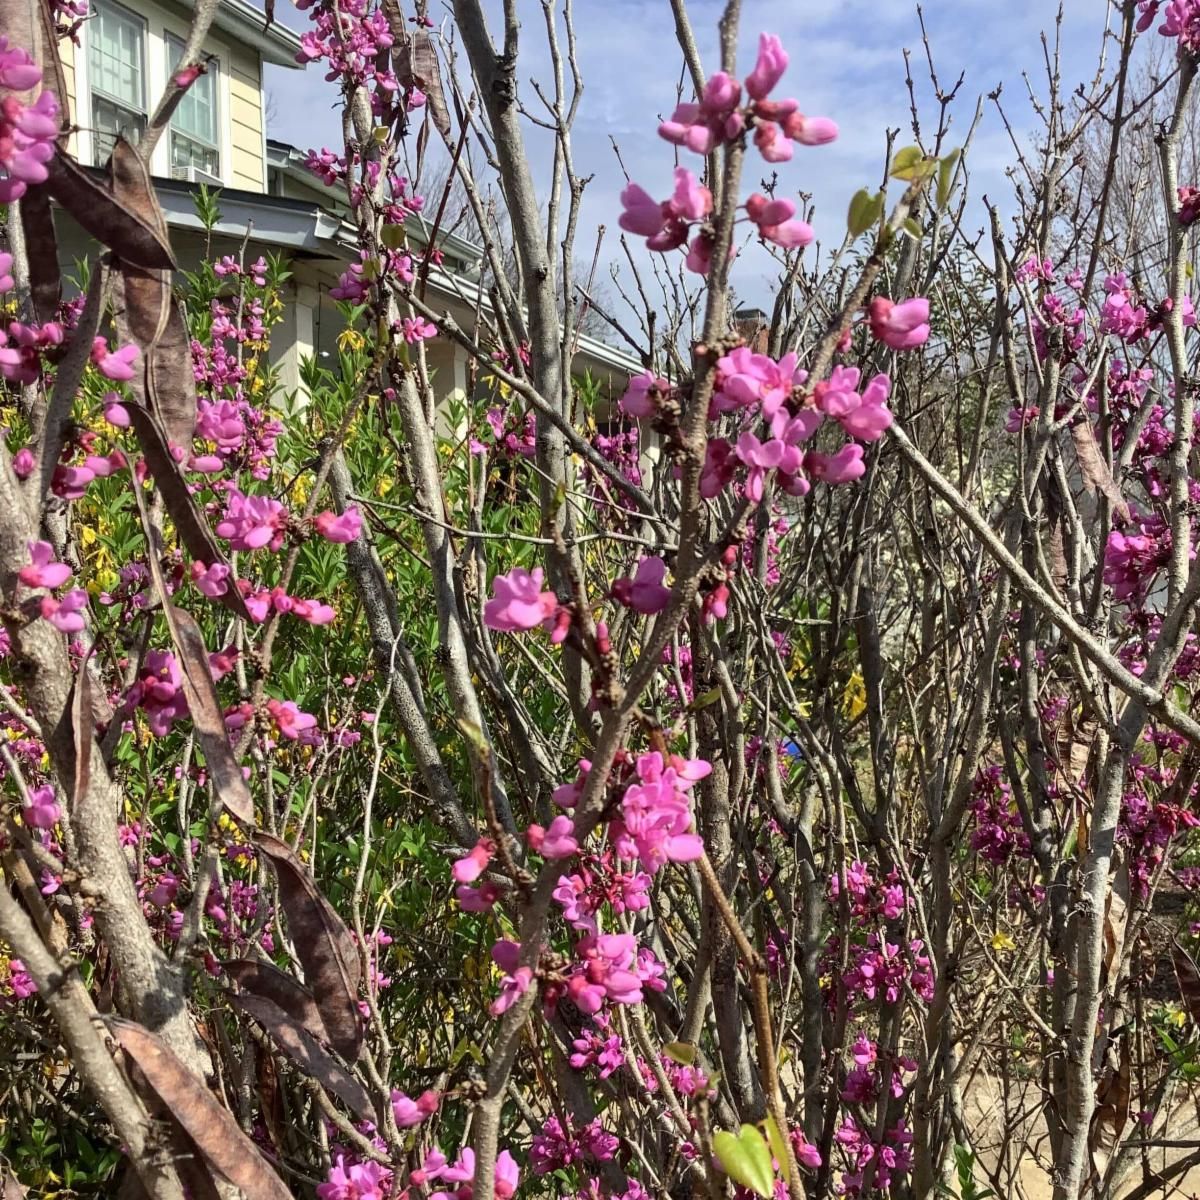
[(246, 120), (66, 54)]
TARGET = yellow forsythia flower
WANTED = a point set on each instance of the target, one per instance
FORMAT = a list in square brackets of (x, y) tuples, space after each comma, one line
[(854, 698), (1001, 941)]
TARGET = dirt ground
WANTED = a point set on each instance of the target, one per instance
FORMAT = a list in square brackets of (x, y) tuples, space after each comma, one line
[(1029, 1170)]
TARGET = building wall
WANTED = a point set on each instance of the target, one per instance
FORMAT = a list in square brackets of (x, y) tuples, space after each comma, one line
[(240, 114), (67, 58), (248, 165)]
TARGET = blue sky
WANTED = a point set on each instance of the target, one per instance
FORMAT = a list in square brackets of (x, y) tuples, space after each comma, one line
[(846, 63)]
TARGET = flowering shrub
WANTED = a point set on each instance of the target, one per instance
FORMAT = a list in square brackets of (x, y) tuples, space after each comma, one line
[(687, 790)]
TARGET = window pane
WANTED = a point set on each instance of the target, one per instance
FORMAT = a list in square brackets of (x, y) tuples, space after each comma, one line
[(115, 59), (108, 120), (196, 115), (188, 153)]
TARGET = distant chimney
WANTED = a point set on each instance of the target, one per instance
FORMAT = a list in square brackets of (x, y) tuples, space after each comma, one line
[(751, 325)]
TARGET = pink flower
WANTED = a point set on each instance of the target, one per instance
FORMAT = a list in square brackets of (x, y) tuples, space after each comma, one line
[(769, 69), (252, 522), (902, 326), (516, 982), (116, 365), (809, 131), (507, 1177), (1181, 19), (656, 815), (644, 593), (159, 691), (470, 867), (164, 891), (1189, 209), (362, 1181), (417, 329), (27, 131), (642, 395), (642, 214), (20, 980), (518, 602), (41, 812), (559, 839), (211, 581), (23, 463), (313, 611), (345, 528), (772, 143), (699, 255), (65, 614), (7, 283), (869, 417), (719, 464), (700, 127), (43, 571), (71, 482), (186, 76), (843, 467), (665, 225), (480, 899), (293, 723), (775, 223), (691, 200), (18, 72), (410, 1113)]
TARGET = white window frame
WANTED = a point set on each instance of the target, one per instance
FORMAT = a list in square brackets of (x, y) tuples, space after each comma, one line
[(158, 27), (91, 91), (174, 46)]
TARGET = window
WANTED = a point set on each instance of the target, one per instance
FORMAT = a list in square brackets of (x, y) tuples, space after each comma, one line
[(117, 65), (194, 140)]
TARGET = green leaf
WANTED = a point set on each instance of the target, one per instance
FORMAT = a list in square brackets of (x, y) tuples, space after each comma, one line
[(946, 177), (913, 228), (683, 1053), (392, 236), (705, 699), (776, 1142), (864, 211), (746, 1159), (909, 163)]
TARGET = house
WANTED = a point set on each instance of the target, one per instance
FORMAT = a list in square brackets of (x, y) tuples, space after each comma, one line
[(269, 202)]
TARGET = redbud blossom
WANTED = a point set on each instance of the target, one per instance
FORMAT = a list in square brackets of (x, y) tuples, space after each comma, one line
[(41, 811), (27, 131), (480, 899), (116, 365), (769, 69), (518, 601), (774, 219), (810, 131), (409, 1113), (66, 615), (642, 395), (344, 528), (902, 326), (42, 570), (644, 593), (471, 866), (843, 467), (1189, 205)]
